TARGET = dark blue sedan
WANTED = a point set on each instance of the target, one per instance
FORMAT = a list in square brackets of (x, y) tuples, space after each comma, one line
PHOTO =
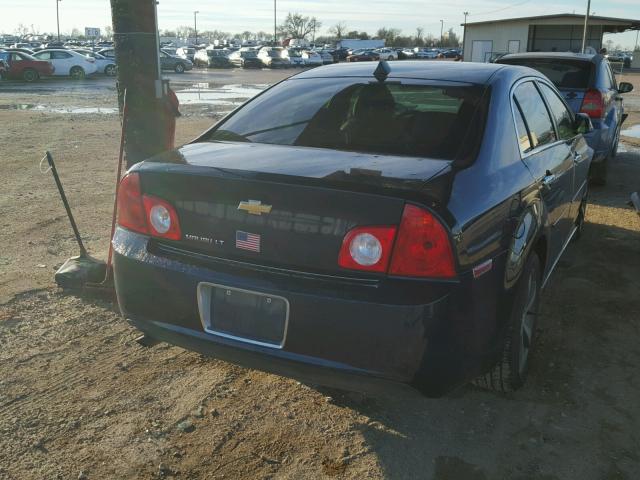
[(361, 225), (589, 86)]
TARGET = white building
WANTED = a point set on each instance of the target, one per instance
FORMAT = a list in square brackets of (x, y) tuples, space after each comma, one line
[(547, 33)]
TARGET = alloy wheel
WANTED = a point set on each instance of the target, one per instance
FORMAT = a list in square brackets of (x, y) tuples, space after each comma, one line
[(527, 321)]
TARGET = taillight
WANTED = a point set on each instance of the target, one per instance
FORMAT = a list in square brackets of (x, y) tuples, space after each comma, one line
[(131, 214), (422, 248), (367, 248), (162, 217), (145, 213), (593, 104)]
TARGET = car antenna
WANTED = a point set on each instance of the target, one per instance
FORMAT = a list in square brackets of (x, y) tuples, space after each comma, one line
[(382, 71)]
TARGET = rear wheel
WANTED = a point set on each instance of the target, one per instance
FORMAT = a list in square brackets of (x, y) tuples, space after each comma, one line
[(29, 75), (616, 141), (77, 73), (110, 70), (179, 68), (511, 371)]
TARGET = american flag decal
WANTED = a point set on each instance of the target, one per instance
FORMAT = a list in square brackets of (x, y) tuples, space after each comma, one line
[(248, 241)]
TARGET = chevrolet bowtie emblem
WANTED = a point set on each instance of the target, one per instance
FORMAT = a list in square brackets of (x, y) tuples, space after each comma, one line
[(254, 207)]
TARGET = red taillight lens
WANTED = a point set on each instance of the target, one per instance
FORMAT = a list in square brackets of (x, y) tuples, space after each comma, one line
[(162, 218), (367, 248), (422, 248), (593, 104), (145, 213), (131, 214)]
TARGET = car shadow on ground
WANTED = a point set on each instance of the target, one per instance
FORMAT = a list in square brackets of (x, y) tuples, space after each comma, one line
[(580, 401)]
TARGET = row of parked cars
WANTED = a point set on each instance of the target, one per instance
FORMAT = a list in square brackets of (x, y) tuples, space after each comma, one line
[(28, 65)]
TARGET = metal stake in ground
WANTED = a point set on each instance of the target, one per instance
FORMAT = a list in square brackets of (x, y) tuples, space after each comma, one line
[(76, 272)]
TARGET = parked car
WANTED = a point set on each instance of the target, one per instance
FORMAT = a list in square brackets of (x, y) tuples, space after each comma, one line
[(108, 52), (335, 228), (363, 56), (105, 65), (311, 58), (20, 65), (174, 62), (186, 53), (295, 57), (326, 57), (28, 51), (341, 54), (452, 53), (274, 57), (386, 53), (426, 54), (68, 63), (588, 86), (211, 58), (246, 58), (620, 57), (55, 45), (405, 53)]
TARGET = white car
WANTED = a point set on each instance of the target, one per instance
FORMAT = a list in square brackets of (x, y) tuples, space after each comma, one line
[(327, 58), (386, 54), (68, 62), (105, 65), (312, 59), (295, 57)]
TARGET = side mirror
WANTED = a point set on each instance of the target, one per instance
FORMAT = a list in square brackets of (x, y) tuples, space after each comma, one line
[(582, 123), (625, 87)]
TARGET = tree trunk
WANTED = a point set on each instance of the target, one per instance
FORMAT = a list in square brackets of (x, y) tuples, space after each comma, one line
[(136, 48)]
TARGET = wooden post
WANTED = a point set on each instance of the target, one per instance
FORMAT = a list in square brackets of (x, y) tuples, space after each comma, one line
[(136, 48)]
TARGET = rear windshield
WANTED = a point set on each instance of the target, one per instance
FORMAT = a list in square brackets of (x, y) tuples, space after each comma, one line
[(355, 114), (564, 73)]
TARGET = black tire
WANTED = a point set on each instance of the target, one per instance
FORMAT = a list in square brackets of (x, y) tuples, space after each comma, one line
[(77, 73), (511, 371), (111, 70), (30, 75), (616, 142), (179, 68), (598, 173)]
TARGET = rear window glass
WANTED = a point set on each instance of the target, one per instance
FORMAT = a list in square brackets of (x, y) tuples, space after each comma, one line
[(563, 73), (360, 115)]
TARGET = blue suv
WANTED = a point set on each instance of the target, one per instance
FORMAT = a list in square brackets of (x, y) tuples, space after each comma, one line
[(589, 86)]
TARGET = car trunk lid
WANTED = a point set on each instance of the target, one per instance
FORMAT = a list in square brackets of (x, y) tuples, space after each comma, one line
[(235, 201)]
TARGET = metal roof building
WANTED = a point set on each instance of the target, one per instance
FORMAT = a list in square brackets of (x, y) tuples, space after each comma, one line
[(544, 33)]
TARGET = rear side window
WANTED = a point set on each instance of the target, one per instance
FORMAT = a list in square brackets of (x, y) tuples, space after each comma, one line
[(60, 55), (521, 129), (535, 114), (564, 73), (360, 115), (562, 116)]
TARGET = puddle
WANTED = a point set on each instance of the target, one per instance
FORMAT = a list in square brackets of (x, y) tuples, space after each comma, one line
[(633, 131), (50, 109), (229, 95)]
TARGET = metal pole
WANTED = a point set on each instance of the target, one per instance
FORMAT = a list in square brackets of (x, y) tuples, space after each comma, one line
[(195, 25), (58, 18), (586, 24), (636, 46), (441, 32), (464, 32), (275, 24)]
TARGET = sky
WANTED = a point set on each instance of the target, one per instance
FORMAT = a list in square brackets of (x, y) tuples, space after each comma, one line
[(255, 15)]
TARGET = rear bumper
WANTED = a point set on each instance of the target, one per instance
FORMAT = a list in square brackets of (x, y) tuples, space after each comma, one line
[(348, 336)]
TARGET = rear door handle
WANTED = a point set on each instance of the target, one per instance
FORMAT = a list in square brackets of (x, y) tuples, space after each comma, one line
[(549, 179)]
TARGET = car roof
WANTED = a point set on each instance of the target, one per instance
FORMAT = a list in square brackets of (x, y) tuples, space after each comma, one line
[(589, 57), (469, 72)]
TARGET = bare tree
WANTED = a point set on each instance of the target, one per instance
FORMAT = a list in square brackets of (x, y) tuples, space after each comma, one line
[(419, 36), (298, 26), (339, 29), (389, 35), (108, 31)]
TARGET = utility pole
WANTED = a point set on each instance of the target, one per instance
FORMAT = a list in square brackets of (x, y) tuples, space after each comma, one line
[(275, 24), (441, 32), (195, 24), (586, 24), (58, 17), (135, 35), (464, 31)]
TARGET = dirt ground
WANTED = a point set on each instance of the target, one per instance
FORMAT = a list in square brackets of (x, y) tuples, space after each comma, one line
[(79, 398)]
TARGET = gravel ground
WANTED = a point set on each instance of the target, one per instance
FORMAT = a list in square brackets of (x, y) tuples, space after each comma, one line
[(79, 398)]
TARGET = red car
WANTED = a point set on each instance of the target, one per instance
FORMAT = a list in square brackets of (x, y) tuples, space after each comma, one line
[(24, 66), (363, 56)]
